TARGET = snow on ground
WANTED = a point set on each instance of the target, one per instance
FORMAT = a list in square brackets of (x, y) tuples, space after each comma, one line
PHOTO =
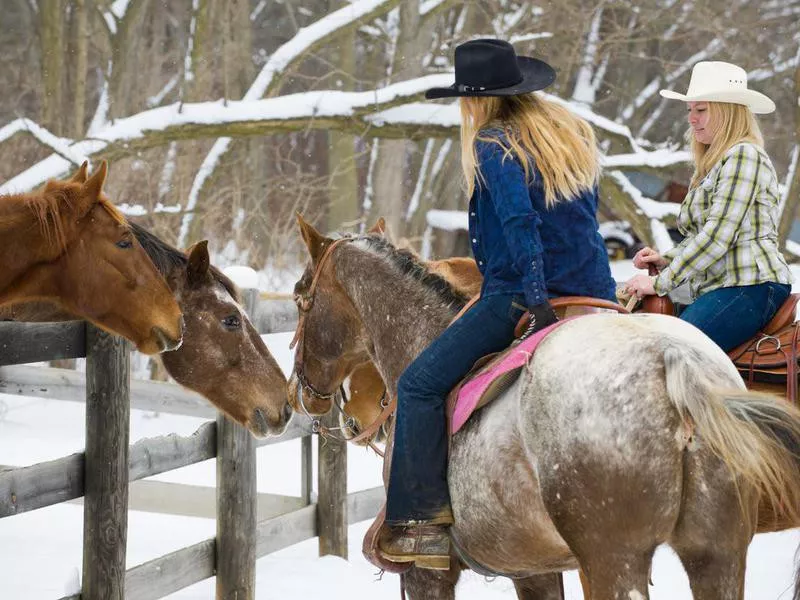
[(40, 551)]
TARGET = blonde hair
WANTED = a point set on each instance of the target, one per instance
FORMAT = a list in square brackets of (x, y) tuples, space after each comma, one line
[(732, 124), (561, 145)]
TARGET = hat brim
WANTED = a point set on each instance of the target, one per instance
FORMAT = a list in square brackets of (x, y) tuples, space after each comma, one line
[(536, 75), (755, 101)]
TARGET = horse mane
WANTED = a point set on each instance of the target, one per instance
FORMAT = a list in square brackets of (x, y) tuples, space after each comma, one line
[(48, 207), (166, 258), (409, 263)]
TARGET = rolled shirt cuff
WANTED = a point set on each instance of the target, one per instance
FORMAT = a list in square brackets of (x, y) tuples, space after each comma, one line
[(662, 283)]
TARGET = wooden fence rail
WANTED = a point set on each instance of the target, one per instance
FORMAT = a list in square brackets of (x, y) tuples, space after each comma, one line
[(102, 474)]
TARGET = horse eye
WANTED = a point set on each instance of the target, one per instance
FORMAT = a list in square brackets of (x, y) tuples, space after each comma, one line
[(232, 322), (124, 244)]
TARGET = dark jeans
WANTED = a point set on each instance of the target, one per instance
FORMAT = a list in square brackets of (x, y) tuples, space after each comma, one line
[(730, 316), (418, 480)]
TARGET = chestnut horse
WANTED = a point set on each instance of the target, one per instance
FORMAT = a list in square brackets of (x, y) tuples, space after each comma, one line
[(656, 441), (222, 357), (68, 245)]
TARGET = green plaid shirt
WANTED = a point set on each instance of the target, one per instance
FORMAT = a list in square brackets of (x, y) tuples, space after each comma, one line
[(731, 223)]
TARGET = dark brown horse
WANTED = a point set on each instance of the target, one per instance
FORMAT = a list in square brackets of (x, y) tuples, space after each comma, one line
[(68, 245), (655, 442), (222, 356)]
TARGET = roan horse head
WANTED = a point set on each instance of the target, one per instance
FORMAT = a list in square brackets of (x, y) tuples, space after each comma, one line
[(328, 324), (68, 245), (366, 391)]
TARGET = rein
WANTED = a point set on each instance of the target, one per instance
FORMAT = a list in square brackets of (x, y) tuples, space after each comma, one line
[(304, 303)]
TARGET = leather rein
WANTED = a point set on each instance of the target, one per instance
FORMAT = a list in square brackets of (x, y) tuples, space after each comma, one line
[(338, 398)]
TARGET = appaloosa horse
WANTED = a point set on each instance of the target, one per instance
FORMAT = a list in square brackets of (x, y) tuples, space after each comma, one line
[(222, 357), (68, 245), (368, 398), (622, 433)]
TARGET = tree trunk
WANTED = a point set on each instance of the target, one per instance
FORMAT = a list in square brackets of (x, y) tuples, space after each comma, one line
[(51, 43), (343, 201), (123, 83), (390, 173), (793, 196), (80, 45)]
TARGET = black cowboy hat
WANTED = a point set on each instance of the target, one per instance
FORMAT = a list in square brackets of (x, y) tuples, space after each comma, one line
[(491, 68)]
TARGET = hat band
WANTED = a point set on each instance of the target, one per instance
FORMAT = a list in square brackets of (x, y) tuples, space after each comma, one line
[(483, 88)]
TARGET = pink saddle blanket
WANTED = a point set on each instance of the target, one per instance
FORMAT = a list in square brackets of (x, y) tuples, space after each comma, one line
[(472, 391)]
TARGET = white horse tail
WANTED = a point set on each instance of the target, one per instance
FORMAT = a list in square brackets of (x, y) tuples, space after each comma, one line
[(756, 435)]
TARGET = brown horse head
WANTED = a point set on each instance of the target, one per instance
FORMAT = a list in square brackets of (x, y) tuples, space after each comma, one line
[(367, 397), (223, 357), (67, 244), (329, 324)]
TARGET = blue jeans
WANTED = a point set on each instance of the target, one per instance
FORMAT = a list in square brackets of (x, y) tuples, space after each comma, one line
[(418, 477), (730, 316)]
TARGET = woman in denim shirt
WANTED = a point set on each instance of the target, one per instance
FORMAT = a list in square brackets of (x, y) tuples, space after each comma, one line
[(531, 169), (730, 257)]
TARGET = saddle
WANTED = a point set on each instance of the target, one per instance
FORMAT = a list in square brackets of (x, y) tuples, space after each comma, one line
[(770, 358)]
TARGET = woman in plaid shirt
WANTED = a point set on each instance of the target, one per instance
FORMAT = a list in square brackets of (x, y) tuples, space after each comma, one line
[(730, 257)]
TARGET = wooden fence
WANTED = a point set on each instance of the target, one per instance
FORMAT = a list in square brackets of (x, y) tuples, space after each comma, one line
[(103, 473)]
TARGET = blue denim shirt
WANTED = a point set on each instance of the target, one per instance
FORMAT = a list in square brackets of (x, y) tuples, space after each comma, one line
[(523, 247)]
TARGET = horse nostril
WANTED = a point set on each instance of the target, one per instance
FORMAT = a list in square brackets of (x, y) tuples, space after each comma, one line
[(165, 342), (260, 422), (287, 412)]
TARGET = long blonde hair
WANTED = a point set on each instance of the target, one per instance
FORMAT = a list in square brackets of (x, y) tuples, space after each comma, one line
[(561, 145), (732, 124)]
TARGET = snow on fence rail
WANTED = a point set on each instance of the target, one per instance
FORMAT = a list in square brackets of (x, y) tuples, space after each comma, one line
[(103, 472)]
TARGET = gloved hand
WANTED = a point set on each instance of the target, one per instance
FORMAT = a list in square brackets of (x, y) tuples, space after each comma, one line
[(542, 315)]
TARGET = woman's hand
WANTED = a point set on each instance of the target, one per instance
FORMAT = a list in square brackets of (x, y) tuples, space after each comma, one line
[(647, 256), (640, 285)]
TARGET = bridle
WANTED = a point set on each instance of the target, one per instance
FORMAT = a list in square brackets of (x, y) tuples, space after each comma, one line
[(338, 398)]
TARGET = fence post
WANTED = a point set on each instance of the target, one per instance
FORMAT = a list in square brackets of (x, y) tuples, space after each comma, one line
[(105, 512), (332, 493), (236, 504), (306, 469)]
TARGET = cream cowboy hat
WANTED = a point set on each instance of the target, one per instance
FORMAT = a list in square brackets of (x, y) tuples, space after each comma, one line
[(716, 81)]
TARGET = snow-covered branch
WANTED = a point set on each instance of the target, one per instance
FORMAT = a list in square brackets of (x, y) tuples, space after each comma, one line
[(59, 145), (386, 112)]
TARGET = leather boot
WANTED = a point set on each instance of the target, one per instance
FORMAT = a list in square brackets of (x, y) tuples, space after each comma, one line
[(427, 545)]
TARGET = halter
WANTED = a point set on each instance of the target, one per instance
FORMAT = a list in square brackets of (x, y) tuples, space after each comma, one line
[(304, 305)]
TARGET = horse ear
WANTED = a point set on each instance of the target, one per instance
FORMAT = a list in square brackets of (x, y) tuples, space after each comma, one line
[(197, 267), (94, 185), (379, 227), (91, 190), (81, 174), (314, 240)]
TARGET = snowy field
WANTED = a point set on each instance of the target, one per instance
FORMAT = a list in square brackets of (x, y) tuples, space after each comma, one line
[(40, 551)]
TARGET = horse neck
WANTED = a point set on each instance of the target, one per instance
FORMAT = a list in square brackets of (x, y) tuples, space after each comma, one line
[(24, 244), (401, 315)]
